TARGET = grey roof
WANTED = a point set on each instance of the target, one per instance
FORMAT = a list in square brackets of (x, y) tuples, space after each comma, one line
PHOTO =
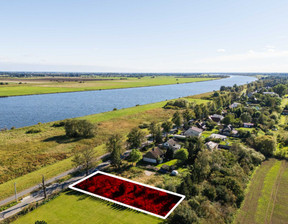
[(154, 153)]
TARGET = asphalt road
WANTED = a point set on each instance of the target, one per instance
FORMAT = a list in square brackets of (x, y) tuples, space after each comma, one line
[(38, 195)]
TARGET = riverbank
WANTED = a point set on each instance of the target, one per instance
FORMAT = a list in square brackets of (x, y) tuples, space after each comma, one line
[(43, 86), (26, 157), (24, 111)]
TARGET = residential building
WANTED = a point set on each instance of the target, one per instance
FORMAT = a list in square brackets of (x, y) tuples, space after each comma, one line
[(155, 155), (193, 132)]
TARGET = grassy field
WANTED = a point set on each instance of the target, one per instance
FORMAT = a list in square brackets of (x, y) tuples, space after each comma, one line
[(75, 208), (42, 87), (267, 195), (25, 157)]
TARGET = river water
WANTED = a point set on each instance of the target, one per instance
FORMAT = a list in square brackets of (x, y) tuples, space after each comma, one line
[(20, 111)]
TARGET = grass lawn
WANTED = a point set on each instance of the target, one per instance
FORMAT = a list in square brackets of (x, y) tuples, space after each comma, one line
[(266, 197), (77, 208), (169, 163), (42, 87)]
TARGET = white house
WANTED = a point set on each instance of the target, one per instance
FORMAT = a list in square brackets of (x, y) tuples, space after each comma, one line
[(193, 132), (211, 145), (218, 136)]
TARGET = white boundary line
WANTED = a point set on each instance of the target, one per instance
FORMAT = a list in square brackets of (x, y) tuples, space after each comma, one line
[(119, 203)]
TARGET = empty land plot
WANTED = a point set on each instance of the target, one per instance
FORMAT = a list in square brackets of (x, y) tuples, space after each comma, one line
[(266, 197)]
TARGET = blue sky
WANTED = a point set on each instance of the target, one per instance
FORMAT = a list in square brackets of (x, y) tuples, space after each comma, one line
[(144, 35)]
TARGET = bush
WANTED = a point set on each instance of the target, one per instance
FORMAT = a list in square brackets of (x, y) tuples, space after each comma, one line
[(58, 124), (210, 192), (177, 104), (143, 125), (79, 128), (40, 222), (33, 130)]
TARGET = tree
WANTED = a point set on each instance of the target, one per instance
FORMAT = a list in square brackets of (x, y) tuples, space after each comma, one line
[(183, 214), (181, 154), (204, 109), (245, 117), (79, 128), (198, 111), (115, 146), (228, 119), (167, 125), (153, 129), (187, 115), (265, 144), (135, 156), (135, 138), (158, 134), (176, 119), (280, 89), (84, 157)]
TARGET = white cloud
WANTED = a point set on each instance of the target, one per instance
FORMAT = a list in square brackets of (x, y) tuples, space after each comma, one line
[(251, 54), (270, 48), (221, 50)]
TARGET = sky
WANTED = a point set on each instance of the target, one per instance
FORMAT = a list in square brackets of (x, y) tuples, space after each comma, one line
[(144, 35)]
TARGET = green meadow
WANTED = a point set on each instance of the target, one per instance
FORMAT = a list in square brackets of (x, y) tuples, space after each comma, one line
[(28, 87), (72, 207)]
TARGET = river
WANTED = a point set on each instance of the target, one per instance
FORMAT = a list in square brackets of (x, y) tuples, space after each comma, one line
[(20, 111)]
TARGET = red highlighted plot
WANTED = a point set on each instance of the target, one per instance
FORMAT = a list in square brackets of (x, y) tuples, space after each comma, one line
[(128, 193)]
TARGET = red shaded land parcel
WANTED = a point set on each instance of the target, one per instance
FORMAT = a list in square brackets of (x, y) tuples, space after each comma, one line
[(147, 199)]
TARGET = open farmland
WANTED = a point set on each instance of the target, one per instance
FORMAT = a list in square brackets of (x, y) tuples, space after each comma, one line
[(267, 195), (17, 87)]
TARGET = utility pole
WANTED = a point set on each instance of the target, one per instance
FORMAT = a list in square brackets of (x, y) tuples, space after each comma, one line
[(44, 187), (16, 198)]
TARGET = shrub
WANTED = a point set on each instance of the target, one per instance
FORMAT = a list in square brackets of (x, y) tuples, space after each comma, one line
[(33, 130), (79, 128), (143, 125), (177, 104), (210, 192), (58, 124)]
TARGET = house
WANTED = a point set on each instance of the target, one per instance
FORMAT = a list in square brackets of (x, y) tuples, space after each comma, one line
[(155, 155), (234, 105), (211, 145), (172, 144), (248, 125), (145, 145), (228, 130), (285, 112), (216, 117), (218, 136), (193, 132)]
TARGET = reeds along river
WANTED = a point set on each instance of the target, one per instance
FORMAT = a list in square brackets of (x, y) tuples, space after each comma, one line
[(23, 111)]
